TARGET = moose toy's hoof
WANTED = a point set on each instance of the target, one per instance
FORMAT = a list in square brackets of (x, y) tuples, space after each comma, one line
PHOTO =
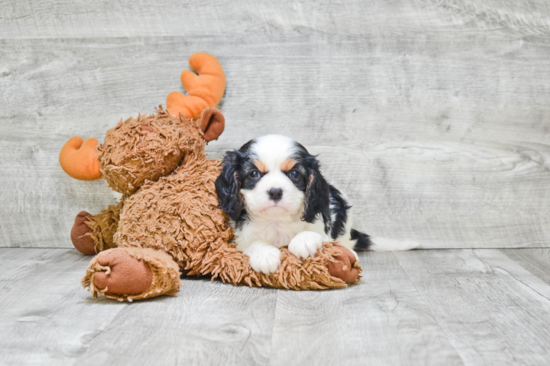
[(345, 267), (124, 274), (82, 242)]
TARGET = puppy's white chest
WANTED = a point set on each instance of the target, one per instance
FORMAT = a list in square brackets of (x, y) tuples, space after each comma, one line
[(276, 233)]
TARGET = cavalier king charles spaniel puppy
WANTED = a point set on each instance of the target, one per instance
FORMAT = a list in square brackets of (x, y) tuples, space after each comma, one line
[(275, 194)]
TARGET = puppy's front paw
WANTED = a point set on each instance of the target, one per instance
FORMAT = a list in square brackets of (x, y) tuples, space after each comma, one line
[(264, 258), (305, 244)]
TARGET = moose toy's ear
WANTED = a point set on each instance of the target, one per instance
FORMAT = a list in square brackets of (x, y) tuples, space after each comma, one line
[(213, 123)]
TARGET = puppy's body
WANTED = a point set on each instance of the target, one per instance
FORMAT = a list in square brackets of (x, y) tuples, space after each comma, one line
[(273, 190)]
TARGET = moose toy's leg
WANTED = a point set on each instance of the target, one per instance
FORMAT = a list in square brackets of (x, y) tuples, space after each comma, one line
[(333, 266), (132, 274), (344, 266), (93, 233)]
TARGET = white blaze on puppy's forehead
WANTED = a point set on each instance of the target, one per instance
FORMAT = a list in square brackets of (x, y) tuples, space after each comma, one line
[(274, 151), (273, 157)]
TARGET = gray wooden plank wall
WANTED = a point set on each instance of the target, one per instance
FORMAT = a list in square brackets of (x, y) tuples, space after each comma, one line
[(432, 115)]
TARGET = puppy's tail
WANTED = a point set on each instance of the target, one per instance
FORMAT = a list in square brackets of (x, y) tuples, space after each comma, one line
[(365, 242)]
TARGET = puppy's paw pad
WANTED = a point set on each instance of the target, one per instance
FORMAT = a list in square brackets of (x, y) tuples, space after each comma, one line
[(264, 258), (305, 244)]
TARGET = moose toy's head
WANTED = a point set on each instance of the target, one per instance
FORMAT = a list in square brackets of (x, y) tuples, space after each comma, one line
[(152, 146)]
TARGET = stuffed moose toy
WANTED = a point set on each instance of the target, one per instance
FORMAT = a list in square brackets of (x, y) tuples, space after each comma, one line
[(168, 221)]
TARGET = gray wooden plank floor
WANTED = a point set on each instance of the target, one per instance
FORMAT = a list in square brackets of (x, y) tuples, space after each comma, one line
[(436, 307)]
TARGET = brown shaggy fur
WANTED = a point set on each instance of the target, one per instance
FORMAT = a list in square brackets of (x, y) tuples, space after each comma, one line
[(170, 215), (104, 226), (143, 148)]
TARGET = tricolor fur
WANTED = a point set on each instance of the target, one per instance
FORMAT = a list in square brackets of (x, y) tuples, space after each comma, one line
[(273, 190)]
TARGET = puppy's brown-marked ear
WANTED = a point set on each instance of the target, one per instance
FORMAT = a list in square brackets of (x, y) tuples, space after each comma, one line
[(317, 199), (213, 124)]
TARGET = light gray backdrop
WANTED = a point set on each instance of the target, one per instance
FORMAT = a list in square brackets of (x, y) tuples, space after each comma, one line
[(433, 116)]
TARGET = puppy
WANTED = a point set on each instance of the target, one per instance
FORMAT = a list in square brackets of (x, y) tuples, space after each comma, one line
[(275, 194)]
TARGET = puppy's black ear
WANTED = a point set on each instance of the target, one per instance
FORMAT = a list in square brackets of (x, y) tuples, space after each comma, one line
[(228, 184), (317, 199)]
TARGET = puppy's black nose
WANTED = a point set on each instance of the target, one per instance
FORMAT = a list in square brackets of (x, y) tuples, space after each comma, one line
[(275, 194)]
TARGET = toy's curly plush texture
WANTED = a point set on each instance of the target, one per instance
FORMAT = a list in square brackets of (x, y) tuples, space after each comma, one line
[(179, 215), (165, 279), (103, 226), (169, 221), (143, 148)]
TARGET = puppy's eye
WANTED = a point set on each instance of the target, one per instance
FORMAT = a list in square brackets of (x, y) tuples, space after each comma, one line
[(254, 174), (293, 174)]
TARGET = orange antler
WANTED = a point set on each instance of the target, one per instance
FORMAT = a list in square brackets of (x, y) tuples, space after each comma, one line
[(203, 90), (80, 160)]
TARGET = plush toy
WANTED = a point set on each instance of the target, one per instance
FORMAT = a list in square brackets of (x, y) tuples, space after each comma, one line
[(168, 221)]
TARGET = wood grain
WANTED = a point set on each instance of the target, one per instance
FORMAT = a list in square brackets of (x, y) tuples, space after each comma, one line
[(432, 116), (18, 263), (48, 318), (533, 260), (207, 324), (82, 19), (382, 321), (443, 307), (492, 310)]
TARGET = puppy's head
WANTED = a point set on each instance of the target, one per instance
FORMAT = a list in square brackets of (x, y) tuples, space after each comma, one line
[(272, 176)]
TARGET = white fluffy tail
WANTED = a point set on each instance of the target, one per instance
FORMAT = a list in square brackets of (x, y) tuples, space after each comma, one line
[(391, 245)]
